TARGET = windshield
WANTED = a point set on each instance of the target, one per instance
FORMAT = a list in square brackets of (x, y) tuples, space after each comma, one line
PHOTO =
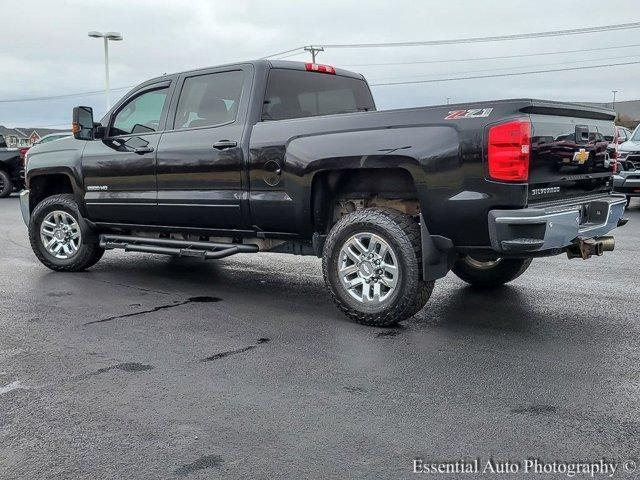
[(636, 135), (298, 94)]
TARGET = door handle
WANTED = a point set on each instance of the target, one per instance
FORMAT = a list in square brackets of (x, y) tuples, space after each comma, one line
[(143, 150), (224, 144)]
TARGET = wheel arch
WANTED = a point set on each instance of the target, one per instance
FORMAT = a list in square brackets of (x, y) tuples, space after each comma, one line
[(365, 186), (52, 182)]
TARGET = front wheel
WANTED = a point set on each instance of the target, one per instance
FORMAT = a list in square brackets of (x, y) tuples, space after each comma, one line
[(490, 273), (59, 236), (6, 185), (372, 267)]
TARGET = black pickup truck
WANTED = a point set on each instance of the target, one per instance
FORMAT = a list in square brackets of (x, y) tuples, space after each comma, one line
[(277, 156), (10, 169)]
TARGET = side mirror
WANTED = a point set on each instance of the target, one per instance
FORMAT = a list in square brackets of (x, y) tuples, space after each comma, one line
[(83, 127)]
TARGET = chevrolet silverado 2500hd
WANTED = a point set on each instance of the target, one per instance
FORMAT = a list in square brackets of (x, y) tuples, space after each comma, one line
[(278, 156)]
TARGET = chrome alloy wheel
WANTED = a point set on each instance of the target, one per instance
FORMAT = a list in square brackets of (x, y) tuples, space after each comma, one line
[(368, 268), (482, 265), (60, 234)]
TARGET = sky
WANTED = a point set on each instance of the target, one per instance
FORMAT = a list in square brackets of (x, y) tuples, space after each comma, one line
[(45, 50)]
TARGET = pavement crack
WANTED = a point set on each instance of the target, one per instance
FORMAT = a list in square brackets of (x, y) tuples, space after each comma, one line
[(156, 309), (228, 353), (125, 367), (142, 289)]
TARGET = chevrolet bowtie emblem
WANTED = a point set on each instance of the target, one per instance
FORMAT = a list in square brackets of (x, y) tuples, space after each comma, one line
[(581, 156)]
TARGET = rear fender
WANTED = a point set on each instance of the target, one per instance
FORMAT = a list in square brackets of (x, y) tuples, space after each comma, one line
[(414, 149)]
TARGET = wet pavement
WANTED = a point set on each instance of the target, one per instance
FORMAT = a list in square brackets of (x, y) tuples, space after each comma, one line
[(151, 367)]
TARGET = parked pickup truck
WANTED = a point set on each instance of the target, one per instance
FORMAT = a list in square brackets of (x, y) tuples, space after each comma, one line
[(11, 169), (276, 156)]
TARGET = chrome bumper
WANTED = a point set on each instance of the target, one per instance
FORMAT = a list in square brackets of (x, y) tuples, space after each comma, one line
[(554, 227), (24, 206)]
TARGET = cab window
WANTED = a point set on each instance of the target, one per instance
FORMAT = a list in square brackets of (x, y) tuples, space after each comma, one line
[(208, 100), (141, 114), (298, 94)]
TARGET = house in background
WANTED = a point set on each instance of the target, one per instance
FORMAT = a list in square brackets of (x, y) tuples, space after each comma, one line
[(24, 137)]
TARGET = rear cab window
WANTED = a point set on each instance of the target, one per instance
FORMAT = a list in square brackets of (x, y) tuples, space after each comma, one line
[(299, 94), (209, 99)]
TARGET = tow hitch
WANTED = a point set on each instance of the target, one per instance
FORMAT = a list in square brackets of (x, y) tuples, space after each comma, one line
[(587, 247)]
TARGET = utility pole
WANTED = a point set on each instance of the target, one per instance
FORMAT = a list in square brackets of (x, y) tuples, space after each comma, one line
[(448, 100), (314, 51), (614, 98)]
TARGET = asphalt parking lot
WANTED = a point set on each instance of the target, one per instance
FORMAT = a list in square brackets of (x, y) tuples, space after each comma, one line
[(150, 367)]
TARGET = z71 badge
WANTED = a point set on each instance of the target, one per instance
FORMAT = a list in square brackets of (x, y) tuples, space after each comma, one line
[(473, 113)]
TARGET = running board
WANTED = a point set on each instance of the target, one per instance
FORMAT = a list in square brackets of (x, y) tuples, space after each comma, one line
[(176, 248)]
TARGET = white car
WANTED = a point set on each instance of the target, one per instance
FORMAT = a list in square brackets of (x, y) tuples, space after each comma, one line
[(52, 137), (629, 151), (627, 178)]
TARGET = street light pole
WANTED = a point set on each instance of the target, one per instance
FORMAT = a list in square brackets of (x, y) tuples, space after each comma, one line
[(106, 73), (614, 98), (116, 37)]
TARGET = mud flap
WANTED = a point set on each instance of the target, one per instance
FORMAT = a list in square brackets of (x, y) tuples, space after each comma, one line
[(438, 255)]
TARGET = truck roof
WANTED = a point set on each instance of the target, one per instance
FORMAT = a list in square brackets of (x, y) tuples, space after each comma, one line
[(263, 63)]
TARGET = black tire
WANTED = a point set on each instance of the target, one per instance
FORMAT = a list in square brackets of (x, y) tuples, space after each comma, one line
[(402, 234), (88, 253), (490, 275), (6, 185)]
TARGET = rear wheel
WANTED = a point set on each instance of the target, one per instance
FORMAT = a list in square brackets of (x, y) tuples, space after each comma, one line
[(372, 267), (59, 236), (490, 273), (6, 185)]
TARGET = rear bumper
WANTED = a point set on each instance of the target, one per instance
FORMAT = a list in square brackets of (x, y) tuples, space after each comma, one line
[(626, 186), (24, 206), (532, 230)]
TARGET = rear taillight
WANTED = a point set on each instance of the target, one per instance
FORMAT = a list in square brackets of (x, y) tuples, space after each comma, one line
[(508, 151), (316, 67), (23, 155)]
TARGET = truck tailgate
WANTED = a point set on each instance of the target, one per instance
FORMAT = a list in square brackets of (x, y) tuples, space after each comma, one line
[(569, 151)]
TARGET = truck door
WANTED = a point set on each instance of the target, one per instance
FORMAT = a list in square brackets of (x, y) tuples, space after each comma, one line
[(120, 169), (200, 164)]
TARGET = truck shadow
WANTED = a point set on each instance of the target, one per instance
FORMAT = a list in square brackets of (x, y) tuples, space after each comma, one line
[(504, 309), (453, 306)]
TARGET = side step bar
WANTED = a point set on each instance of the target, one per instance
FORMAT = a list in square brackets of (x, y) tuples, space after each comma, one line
[(176, 248)]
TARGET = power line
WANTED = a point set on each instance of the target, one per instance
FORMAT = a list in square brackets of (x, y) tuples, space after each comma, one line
[(501, 38), (282, 53), (502, 57), (434, 80), (290, 55), (57, 97), (526, 66)]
